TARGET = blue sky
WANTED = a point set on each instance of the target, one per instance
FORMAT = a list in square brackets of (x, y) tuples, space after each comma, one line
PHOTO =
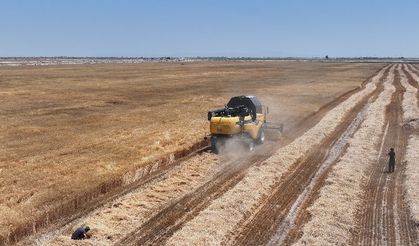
[(209, 28)]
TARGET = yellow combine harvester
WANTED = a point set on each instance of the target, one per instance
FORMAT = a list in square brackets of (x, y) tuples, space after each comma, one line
[(243, 117)]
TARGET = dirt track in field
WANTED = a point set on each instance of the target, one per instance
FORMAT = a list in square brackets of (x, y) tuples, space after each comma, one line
[(294, 192), (280, 216), (159, 228), (384, 218)]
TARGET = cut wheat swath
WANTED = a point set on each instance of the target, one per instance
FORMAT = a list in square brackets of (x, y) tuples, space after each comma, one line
[(331, 224), (411, 117), (412, 176), (219, 220), (117, 218), (410, 102), (413, 73)]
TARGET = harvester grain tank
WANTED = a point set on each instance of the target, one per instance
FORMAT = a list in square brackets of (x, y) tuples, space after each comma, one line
[(243, 117)]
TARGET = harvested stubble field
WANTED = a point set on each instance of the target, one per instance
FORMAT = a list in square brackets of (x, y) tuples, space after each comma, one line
[(85, 135), (330, 185)]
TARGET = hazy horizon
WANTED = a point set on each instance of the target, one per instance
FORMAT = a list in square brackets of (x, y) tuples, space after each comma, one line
[(215, 57)]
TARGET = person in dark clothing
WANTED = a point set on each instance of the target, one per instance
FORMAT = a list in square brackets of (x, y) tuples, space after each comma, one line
[(391, 160), (81, 233)]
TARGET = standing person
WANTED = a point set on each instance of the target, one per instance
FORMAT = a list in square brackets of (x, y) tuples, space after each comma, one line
[(81, 233), (391, 160)]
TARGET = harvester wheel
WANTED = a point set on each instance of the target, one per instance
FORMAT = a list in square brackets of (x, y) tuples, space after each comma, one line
[(251, 145), (214, 145), (261, 136), (215, 150)]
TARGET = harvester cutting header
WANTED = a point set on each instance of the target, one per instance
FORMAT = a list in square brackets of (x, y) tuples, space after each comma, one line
[(243, 117)]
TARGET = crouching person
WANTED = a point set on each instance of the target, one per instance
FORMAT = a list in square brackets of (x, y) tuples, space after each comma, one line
[(81, 233)]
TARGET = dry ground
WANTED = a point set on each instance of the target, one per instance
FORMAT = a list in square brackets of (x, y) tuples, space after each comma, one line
[(66, 130), (330, 185)]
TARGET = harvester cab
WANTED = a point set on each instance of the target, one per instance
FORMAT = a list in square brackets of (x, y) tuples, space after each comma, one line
[(243, 118)]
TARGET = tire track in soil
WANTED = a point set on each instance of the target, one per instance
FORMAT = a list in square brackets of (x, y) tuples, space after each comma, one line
[(159, 228), (156, 230), (151, 174), (162, 226), (408, 72), (384, 217), (303, 216), (272, 213), (411, 81), (408, 232), (334, 153), (414, 67)]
